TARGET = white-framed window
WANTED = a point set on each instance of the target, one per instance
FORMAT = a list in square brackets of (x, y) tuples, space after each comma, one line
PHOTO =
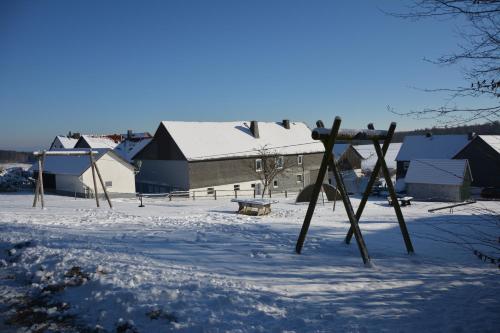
[(300, 159), (299, 178), (279, 162), (275, 183), (258, 165), (236, 187), (210, 190), (108, 183)]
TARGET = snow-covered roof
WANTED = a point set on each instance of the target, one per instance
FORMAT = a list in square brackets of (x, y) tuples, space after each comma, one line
[(65, 142), (339, 149), (127, 149), (434, 146), (370, 156), (214, 140), (99, 142), (71, 165), (492, 140), (438, 171)]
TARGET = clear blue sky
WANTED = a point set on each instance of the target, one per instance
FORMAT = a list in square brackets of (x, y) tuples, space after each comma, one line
[(109, 66)]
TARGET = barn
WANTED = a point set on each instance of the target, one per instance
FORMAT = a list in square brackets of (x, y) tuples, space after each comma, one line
[(72, 175), (208, 156), (483, 154), (439, 180)]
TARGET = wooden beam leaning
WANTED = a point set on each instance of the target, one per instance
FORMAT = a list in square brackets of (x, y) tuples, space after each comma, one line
[(373, 178), (103, 185), (37, 187), (350, 212), (329, 142), (41, 162), (96, 194), (395, 202)]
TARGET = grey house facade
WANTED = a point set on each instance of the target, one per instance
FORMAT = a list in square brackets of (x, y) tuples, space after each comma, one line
[(225, 155), (483, 154)]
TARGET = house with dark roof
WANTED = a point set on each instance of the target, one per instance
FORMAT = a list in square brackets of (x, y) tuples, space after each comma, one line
[(439, 180), (483, 154), (428, 147), (226, 156), (63, 142)]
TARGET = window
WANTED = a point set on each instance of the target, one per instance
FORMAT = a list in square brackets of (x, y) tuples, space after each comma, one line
[(258, 165), (279, 162), (299, 159), (299, 178), (253, 185), (275, 183), (237, 187), (210, 190), (108, 183)]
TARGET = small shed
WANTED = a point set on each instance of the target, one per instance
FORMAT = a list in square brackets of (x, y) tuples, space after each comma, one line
[(439, 180), (72, 175)]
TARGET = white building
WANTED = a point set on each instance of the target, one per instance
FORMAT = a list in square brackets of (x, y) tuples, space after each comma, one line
[(63, 142), (439, 180), (72, 175)]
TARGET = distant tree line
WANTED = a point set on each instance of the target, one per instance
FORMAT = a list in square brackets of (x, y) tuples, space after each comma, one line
[(492, 128), (16, 156)]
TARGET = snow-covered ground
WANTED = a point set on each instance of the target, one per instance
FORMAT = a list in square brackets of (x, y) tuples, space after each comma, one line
[(196, 266)]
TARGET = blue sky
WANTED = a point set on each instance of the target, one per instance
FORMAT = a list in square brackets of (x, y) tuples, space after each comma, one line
[(109, 66)]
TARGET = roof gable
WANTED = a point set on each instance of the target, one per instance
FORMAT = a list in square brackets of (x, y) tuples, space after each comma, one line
[(216, 140), (369, 155), (88, 141), (492, 140), (438, 172), (64, 142), (432, 147), (127, 149)]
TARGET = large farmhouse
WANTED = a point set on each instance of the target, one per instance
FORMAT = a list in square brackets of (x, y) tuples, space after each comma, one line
[(483, 154), (226, 155)]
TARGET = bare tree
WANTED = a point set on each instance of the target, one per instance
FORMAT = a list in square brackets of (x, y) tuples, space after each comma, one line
[(478, 55), (269, 164)]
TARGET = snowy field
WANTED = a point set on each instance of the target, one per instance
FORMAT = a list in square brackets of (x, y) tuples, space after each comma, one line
[(196, 266)]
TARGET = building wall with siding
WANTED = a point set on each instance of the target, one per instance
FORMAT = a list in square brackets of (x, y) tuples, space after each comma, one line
[(484, 162), (438, 192)]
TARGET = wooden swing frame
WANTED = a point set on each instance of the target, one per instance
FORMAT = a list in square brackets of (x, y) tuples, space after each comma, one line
[(328, 138), (40, 155)]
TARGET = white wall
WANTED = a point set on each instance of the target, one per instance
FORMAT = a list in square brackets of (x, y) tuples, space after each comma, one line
[(69, 183), (114, 170)]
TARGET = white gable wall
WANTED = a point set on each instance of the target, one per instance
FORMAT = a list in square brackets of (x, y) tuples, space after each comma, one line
[(114, 170), (69, 184)]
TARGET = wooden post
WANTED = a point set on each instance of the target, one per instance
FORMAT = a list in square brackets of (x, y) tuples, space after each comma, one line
[(37, 187), (194, 195), (317, 186), (286, 194), (254, 192), (96, 193), (394, 198), (215, 194), (103, 185), (236, 194), (373, 177), (40, 177)]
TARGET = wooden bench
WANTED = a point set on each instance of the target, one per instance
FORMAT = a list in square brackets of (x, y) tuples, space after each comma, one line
[(254, 206), (403, 201)]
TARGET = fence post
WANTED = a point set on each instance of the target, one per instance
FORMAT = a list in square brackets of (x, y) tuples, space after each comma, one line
[(270, 193), (286, 194), (194, 194), (236, 194), (215, 194), (254, 192)]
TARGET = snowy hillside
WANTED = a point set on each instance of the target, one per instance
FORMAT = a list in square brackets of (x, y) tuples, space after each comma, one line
[(196, 266)]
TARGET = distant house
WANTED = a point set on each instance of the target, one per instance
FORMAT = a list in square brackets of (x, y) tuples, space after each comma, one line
[(225, 155), (348, 161), (483, 154), (439, 180), (63, 142), (369, 155), (132, 144), (72, 175), (428, 147), (98, 142)]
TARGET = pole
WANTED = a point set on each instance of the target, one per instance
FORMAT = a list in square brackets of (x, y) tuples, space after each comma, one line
[(103, 185), (317, 186), (40, 177), (93, 177), (373, 178)]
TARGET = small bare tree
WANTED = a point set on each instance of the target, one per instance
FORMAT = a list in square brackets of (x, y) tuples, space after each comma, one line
[(267, 165)]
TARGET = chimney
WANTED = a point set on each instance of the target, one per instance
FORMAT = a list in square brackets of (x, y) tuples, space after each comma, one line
[(286, 123), (471, 135), (254, 128), (129, 134)]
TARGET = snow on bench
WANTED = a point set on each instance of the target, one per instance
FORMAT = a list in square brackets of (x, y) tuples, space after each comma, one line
[(404, 201), (254, 206)]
